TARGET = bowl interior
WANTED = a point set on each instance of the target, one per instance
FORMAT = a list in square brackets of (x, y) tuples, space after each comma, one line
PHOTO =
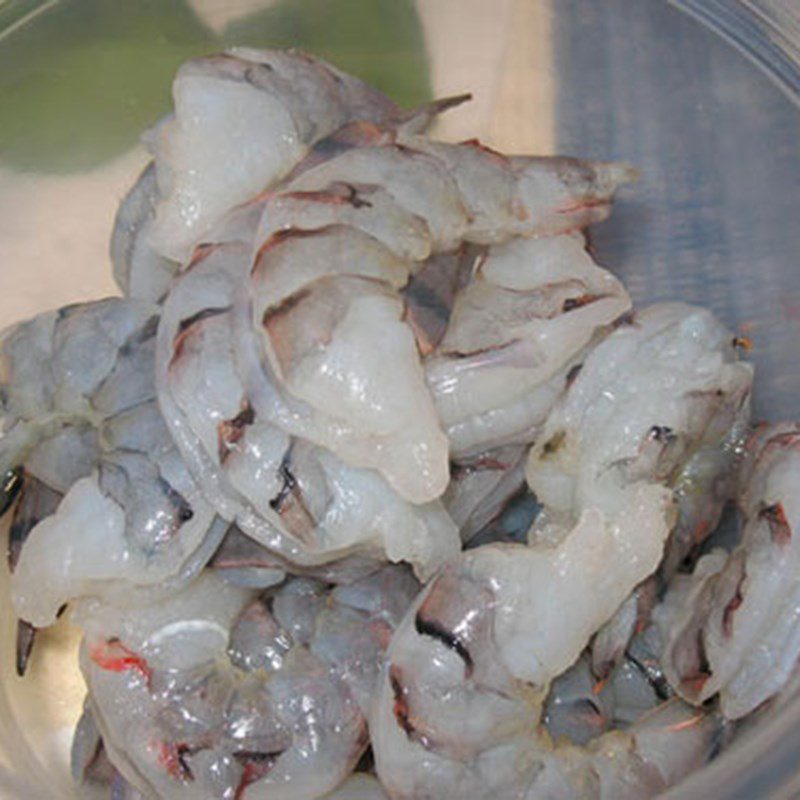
[(713, 219)]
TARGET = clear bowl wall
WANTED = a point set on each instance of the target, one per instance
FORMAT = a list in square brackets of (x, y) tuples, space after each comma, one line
[(700, 94)]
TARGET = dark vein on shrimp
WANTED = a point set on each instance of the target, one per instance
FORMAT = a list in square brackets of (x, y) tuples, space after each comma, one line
[(9, 488), (183, 509), (434, 630), (658, 683), (289, 482)]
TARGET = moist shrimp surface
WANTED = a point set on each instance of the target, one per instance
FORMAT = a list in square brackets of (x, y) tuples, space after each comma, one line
[(664, 398), (495, 629), (343, 346), (295, 498), (412, 202), (226, 692), (481, 487), (107, 507), (282, 103), (459, 711), (645, 401), (731, 629)]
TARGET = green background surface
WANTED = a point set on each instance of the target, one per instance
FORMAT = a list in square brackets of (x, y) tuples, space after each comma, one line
[(81, 84)]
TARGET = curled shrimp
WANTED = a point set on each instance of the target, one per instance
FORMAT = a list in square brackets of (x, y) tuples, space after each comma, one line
[(603, 435), (459, 710), (93, 771), (580, 708), (282, 103), (517, 333), (297, 499), (497, 627), (481, 487), (226, 692), (107, 507), (324, 291), (339, 244), (664, 398), (181, 195), (731, 628)]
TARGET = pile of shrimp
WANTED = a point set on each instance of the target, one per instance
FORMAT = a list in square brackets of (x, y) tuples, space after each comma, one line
[(374, 484)]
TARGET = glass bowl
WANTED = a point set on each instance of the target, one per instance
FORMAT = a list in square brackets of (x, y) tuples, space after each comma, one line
[(699, 94)]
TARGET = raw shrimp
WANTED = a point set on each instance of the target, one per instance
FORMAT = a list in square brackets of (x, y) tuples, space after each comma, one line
[(93, 771), (242, 561), (459, 711), (580, 708), (37, 501), (481, 487), (603, 435), (321, 308), (295, 498), (611, 641), (138, 269), (687, 435), (338, 245), (282, 103), (516, 336), (225, 692), (359, 787), (732, 628), (182, 195), (664, 398), (108, 507)]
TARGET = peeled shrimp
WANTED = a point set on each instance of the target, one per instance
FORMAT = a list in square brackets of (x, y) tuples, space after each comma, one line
[(481, 487), (225, 692), (517, 333), (297, 499), (338, 245), (459, 712), (506, 614), (138, 269), (581, 708), (731, 628), (602, 436), (282, 102), (108, 507), (665, 399), (356, 205), (242, 561), (93, 771)]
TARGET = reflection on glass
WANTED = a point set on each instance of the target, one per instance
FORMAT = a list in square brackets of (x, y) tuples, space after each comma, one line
[(79, 85)]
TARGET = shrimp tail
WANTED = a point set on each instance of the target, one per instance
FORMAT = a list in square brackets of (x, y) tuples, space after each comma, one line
[(419, 119)]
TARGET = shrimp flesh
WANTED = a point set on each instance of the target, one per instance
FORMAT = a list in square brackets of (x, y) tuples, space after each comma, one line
[(731, 628), (602, 436), (687, 435), (322, 307), (516, 335), (481, 487), (295, 498), (460, 706), (107, 506), (36, 502), (282, 103), (244, 562), (226, 692), (139, 270), (581, 708), (92, 770)]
